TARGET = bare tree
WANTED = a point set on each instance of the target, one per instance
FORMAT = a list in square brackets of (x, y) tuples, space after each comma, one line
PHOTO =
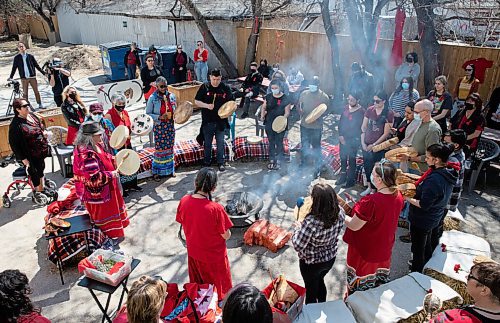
[(334, 46), (210, 40), (428, 41), (254, 34), (46, 9), (363, 16)]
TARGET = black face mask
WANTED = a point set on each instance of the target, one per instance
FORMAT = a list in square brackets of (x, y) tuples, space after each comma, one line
[(469, 106), (253, 69), (409, 59), (120, 108)]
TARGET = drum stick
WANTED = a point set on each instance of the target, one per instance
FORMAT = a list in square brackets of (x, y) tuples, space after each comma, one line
[(121, 163), (213, 102)]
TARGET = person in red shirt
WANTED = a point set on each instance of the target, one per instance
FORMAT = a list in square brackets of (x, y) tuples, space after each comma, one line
[(132, 61), (180, 65), (200, 62), (119, 117), (206, 227), (16, 305), (471, 120), (371, 230)]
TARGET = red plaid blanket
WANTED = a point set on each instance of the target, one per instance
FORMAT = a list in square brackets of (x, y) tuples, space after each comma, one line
[(186, 153), (71, 245), (244, 150)]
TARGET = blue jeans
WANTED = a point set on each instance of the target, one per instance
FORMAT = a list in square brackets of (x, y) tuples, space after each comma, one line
[(131, 68), (209, 131), (369, 160), (201, 70)]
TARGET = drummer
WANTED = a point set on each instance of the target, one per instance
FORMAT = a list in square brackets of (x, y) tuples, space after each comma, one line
[(96, 113), (210, 97), (161, 106), (96, 182), (310, 133), (276, 104), (119, 117)]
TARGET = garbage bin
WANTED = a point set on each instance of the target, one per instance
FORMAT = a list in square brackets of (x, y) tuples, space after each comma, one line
[(167, 56), (112, 55)]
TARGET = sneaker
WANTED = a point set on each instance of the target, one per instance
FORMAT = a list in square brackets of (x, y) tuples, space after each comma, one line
[(366, 192), (342, 179), (405, 238), (222, 168), (244, 115)]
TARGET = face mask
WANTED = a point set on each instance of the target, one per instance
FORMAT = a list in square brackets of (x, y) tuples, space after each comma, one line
[(120, 108), (416, 116), (275, 91), (253, 69), (275, 69), (97, 117), (409, 60), (313, 88), (72, 96), (405, 86), (469, 106)]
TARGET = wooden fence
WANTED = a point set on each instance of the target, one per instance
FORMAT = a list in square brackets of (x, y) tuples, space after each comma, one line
[(311, 53), (31, 24)]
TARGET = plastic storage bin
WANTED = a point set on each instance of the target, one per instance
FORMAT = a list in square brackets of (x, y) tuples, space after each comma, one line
[(105, 278)]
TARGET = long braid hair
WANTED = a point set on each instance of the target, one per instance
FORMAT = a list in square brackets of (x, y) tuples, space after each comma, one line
[(205, 182)]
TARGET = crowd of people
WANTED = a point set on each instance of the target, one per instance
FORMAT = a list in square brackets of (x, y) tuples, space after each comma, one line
[(444, 129)]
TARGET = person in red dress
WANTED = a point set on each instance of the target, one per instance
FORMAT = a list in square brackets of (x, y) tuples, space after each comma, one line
[(73, 111), (15, 304), (206, 227), (96, 182), (371, 230)]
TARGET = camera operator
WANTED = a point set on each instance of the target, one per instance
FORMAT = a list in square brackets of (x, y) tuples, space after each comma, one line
[(58, 79)]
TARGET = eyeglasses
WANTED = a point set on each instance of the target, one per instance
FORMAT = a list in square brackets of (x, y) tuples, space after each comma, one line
[(470, 276), (179, 48), (162, 86), (150, 60), (468, 69), (27, 105), (377, 101)]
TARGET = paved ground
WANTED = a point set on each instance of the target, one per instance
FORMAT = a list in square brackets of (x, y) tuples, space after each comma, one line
[(152, 234)]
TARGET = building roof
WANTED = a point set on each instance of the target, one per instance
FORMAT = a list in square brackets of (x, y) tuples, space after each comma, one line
[(211, 9)]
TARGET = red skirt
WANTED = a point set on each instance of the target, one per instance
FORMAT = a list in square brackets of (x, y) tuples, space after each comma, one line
[(363, 275), (72, 132), (111, 217), (218, 274)]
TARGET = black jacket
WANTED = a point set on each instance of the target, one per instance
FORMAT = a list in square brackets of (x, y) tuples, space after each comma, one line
[(433, 193), (253, 82), (176, 66), (19, 65), (26, 140), (137, 60), (71, 114)]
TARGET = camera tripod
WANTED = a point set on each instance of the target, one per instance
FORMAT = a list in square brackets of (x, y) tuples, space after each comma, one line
[(17, 93)]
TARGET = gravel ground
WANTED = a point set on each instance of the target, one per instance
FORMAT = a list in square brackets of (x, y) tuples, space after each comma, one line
[(152, 234)]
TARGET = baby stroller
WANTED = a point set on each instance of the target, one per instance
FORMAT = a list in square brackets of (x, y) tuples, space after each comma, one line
[(21, 180)]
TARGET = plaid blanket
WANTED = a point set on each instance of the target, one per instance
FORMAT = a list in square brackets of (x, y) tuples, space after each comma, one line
[(71, 245), (244, 150), (186, 153)]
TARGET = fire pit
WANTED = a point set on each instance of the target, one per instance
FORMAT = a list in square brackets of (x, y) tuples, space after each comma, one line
[(242, 207)]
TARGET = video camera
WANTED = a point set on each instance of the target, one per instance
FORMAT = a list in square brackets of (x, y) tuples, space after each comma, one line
[(15, 84), (51, 65)]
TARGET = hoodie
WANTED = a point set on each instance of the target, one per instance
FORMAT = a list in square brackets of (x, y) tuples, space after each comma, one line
[(433, 193)]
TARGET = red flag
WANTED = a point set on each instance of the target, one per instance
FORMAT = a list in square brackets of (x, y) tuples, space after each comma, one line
[(397, 45)]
